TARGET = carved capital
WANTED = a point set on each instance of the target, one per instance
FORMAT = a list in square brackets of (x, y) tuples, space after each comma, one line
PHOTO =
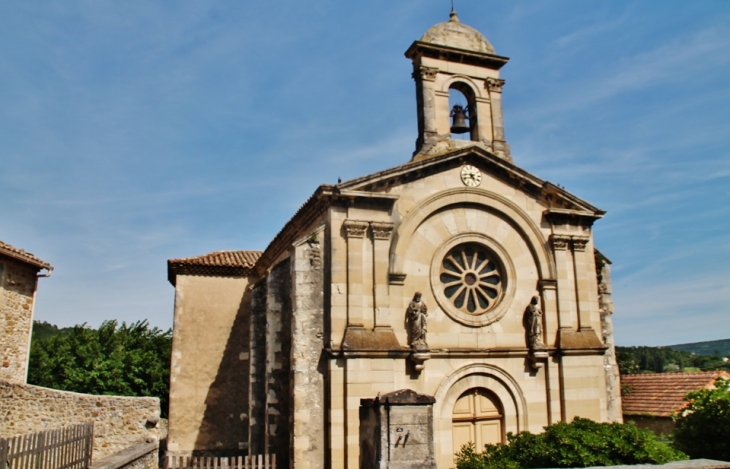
[(560, 242), (381, 230), (494, 84), (425, 73), (355, 228), (579, 243)]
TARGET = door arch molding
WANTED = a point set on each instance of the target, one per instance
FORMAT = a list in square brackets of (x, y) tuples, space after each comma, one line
[(478, 375)]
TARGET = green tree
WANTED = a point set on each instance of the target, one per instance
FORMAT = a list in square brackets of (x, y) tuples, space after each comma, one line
[(580, 443), (702, 429), (126, 360), (661, 359), (627, 363)]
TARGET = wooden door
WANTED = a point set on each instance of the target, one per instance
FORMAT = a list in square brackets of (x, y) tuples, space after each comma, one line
[(477, 418)]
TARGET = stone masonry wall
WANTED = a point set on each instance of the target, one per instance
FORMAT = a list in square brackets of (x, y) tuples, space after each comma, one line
[(613, 384), (118, 421), (309, 439), (278, 362), (257, 370), (17, 285)]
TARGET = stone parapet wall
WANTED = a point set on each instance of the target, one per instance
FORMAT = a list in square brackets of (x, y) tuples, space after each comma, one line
[(118, 421), (17, 287)]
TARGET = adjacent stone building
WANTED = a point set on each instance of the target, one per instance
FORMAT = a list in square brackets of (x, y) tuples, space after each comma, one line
[(457, 278), (19, 272)]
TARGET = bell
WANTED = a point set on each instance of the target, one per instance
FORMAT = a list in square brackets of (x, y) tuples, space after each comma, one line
[(459, 125)]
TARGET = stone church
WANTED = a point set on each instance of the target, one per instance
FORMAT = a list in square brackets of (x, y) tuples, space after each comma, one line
[(456, 285)]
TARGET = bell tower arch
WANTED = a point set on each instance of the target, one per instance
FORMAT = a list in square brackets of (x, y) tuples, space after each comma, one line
[(453, 56)]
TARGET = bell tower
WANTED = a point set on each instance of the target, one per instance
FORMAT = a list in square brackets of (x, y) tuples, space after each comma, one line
[(455, 58)]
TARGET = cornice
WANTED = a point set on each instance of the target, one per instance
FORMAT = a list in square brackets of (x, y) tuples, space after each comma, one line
[(560, 201), (454, 54)]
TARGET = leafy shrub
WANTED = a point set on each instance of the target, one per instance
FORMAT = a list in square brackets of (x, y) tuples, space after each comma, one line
[(702, 429), (126, 360), (581, 443)]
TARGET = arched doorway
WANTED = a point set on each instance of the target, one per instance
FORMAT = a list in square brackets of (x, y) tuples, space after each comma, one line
[(478, 417)]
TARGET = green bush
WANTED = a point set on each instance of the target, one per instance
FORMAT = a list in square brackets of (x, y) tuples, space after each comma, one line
[(123, 360), (581, 443), (702, 429)]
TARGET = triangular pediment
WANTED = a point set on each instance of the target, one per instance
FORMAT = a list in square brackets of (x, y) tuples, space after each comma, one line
[(557, 199)]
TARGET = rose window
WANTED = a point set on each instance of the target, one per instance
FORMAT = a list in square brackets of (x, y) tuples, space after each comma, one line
[(471, 278)]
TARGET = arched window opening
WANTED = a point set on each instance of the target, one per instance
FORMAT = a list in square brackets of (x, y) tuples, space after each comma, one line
[(463, 114), (478, 417)]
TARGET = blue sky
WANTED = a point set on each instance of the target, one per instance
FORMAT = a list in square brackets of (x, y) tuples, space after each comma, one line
[(134, 132)]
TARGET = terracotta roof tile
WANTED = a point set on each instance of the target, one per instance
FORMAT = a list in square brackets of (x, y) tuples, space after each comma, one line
[(221, 263), (661, 394), (23, 256), (222, 258)]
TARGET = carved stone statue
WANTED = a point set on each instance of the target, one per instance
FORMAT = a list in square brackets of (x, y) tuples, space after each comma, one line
[(533, 324), (416, 316)]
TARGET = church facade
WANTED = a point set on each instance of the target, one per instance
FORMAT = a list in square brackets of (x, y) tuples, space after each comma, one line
[(457, 276)]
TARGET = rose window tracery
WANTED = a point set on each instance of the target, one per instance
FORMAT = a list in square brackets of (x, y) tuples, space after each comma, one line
[(471, 278)]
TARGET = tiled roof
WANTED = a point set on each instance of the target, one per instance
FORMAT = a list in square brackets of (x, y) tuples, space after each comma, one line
[(21, 255), (222, 258), (222, 263), (661, 394)]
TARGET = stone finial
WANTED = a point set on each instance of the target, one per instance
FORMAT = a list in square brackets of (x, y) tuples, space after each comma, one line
[(453, 18)]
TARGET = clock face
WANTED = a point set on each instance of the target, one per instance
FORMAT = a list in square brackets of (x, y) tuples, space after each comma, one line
[(471, 176)]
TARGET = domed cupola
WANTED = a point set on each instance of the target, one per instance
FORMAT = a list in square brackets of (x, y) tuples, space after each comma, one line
[(455, 59), (454, 33)]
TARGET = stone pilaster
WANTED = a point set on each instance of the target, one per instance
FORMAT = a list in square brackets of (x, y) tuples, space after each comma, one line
[(381, 259), (494, 86), (367, 298), (566, 283), (583, 284), (549, 294), (426, 102), (484, 121), (355, 231), (574, 295)]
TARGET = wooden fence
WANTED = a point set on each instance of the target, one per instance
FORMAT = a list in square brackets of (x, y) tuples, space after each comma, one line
[(63, 448), (241, 462)]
